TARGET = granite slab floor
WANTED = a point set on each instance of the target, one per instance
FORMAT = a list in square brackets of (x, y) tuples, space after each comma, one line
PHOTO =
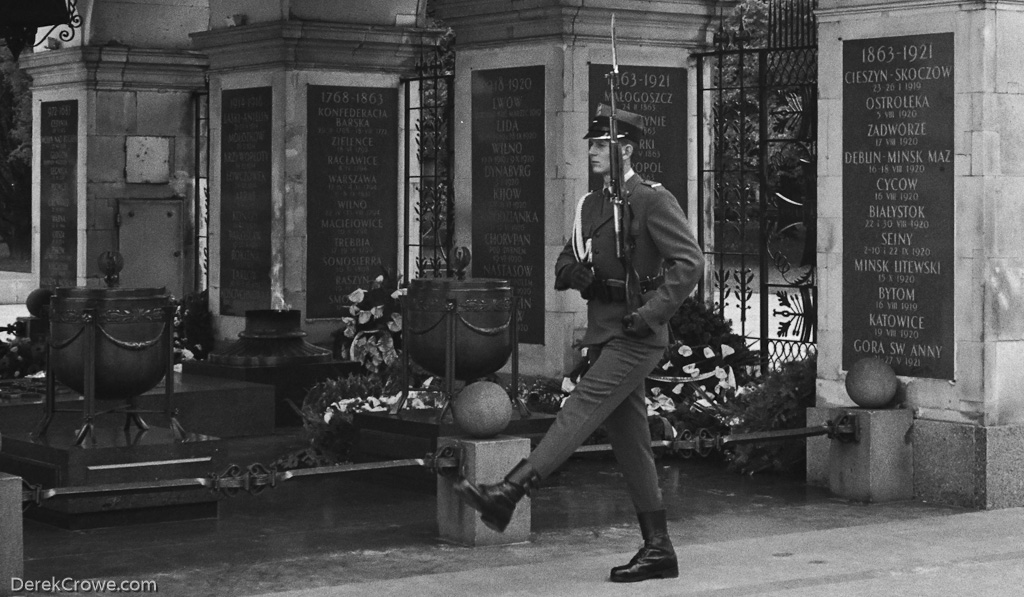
[(373, 533)]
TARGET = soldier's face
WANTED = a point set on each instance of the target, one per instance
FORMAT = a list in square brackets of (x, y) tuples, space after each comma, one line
[(599, 161)]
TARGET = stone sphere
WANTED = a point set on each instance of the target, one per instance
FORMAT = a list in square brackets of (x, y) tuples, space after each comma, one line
[(38, 302), (871, 383), (482, 409)]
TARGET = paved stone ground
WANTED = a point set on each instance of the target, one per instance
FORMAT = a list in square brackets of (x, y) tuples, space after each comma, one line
[(373, 534)]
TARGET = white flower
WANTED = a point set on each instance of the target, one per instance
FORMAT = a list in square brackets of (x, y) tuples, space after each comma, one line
[(328, 415), (399, 292), (364, 316), (395, 325), (685, 350), (357, 296), (379, 279), (378, 311)]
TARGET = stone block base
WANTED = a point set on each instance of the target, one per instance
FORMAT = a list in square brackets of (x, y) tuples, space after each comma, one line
[(955, 464), (113, 458), (968, 465), (483, 461), (11, 541), (879, 467)]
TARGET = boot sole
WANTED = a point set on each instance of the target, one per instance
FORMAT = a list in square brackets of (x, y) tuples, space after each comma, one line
[(667, 573)]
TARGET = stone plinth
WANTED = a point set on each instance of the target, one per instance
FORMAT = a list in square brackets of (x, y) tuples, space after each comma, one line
[(12, 557), (879, 467), (483, 461), (290, 382), (115, 457), (968, 465)]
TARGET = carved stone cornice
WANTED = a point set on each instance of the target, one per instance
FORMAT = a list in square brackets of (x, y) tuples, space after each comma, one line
[(303, 44), (108, 68), (832, 9), (485, 23)]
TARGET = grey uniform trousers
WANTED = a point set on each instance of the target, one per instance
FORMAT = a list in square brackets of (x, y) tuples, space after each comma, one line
[(610, 392)]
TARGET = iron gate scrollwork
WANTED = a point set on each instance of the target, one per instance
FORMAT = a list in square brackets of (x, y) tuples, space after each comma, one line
[(757, 149), (429, 184)]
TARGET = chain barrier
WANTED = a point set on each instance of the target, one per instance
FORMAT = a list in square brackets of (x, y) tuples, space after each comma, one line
[(447, 462)]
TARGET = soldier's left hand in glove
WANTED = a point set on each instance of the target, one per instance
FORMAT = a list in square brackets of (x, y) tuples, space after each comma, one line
[(634, 326)]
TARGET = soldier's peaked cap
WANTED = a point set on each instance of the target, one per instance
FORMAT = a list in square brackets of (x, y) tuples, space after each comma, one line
[(627, 124)]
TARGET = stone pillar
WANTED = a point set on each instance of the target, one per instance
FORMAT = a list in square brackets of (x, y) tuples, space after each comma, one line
[(12, 556), (963, 382), (113, 133), (550, 46), (270, 61)]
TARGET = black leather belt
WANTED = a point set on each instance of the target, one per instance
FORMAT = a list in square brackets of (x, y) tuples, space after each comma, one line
[(614, 291)]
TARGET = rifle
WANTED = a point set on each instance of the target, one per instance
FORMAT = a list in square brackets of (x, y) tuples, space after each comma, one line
[(623, 245)]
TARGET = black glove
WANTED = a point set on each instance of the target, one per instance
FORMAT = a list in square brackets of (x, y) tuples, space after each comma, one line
[(578, 276), (634, 326)]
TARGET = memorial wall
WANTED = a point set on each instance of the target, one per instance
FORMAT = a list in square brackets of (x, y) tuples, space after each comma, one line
[(352, 194), (898, 203), (58, 192), (658, 94), (508, 187), (245, 195)]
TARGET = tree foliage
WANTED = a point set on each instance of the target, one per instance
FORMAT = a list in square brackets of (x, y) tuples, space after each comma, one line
[(15, 163)]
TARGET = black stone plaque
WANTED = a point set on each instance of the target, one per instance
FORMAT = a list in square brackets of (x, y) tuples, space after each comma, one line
[(898, 203), (246, 212), (352, 193), (58, 191), (658, 94), (508, 187)]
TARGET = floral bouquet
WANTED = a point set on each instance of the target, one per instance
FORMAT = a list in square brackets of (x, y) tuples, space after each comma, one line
[(328, 414), (372, 332)]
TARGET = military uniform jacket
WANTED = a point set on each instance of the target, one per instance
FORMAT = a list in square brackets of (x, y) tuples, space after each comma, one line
[(664, 244)]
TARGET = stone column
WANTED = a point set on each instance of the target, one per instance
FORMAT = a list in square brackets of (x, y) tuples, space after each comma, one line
[(504, 46), (265, 57), (113, 122), (12, 550), (962, 382)]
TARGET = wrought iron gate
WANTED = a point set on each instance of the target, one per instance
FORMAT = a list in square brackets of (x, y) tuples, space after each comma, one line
[(758, 159), (429, 150)]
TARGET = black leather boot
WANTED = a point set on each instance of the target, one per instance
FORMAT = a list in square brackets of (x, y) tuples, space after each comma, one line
[(496, 502), (656, 559)]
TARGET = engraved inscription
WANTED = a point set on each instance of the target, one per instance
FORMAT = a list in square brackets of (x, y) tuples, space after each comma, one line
[(898, 203), (508, 187)]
